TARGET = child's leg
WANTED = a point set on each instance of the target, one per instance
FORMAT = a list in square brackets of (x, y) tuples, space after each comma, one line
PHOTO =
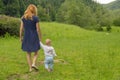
[(46, 63), (51, 64)]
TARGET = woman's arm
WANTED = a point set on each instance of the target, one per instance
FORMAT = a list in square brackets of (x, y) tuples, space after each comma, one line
[(21, 31), (38, 31)]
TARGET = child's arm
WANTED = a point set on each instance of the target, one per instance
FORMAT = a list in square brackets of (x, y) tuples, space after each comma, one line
[(54, 54), (42, 45)]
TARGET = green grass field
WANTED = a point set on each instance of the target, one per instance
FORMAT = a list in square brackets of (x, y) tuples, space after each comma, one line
[(88, 55)]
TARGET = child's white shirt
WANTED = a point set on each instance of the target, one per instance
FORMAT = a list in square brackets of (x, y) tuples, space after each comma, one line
[(48, 50)]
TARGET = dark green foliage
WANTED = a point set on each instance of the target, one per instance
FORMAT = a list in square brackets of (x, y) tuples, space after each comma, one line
[(108, 28), (117, 22), (16, 8), (11, 7), (9, 25), (50, 8), (98, 27), (42, 14), (84, 13), (1, 7), (22, 7)]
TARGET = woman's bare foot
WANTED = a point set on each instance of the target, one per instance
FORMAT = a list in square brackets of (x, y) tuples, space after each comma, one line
[(30, 70)]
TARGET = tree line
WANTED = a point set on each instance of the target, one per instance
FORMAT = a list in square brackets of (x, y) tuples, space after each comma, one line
[(84, 13), (47, 9), (114, 9)]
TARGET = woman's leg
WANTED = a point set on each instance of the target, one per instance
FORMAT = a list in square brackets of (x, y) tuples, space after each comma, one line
[(35, 58), (29, 60)]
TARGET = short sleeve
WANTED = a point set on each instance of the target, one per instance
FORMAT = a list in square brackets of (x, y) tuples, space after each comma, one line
[(36, 19), (22, 19)]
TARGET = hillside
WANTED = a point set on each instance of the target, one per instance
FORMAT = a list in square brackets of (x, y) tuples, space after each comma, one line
[(84, 55), (113, 5), (83, 13), (114, 11)]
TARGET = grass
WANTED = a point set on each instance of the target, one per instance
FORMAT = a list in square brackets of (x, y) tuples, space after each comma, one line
[(89, 55)]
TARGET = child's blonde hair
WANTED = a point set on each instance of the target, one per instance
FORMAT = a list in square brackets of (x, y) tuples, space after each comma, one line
[(48, 41)]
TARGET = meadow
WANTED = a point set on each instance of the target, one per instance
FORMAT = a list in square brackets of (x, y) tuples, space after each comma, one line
[(85, 55)]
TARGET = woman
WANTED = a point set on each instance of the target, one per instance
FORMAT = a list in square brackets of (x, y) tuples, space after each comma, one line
[(32, 35)]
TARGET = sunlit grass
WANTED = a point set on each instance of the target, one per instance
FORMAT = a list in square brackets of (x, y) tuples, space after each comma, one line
[(89, 55)]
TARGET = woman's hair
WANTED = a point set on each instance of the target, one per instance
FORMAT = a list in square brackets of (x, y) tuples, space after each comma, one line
[(30, 11)]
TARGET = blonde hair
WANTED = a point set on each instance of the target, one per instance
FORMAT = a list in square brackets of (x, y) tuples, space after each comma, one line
[(48, 41), (30, 11)]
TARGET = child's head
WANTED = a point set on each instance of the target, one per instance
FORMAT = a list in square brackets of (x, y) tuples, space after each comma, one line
[(48, 42)]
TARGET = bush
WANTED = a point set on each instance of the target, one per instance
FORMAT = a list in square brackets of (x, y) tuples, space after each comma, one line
[(98, 27), (108, 28), (117, 22), (9, 25)]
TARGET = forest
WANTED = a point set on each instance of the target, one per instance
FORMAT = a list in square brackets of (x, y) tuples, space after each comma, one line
[(84, 13)]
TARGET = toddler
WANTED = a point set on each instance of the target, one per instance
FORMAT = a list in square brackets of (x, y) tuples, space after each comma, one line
[(49, 54)]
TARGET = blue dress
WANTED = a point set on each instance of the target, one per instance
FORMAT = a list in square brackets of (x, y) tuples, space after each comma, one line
[(30, 41)]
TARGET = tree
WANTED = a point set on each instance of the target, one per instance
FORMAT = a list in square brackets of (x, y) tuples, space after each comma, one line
[(117, 21), (1, 7), (51, 7), (11, 7), (75, 12), (22, 7), (42, 14)]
